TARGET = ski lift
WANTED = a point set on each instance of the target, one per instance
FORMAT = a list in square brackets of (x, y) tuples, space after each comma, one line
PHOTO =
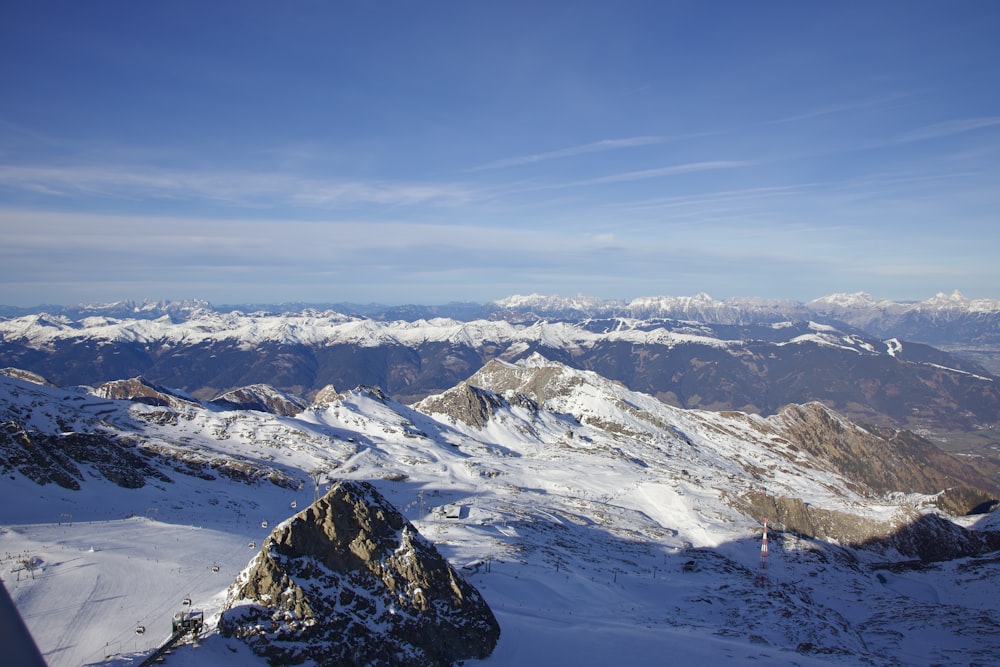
[(140, 629), (215, 568), (252, 545), (263, 524), (192, 621), (294, 504), (186, 602)]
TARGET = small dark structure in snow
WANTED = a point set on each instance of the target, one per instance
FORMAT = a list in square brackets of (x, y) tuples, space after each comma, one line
[(192, 621)]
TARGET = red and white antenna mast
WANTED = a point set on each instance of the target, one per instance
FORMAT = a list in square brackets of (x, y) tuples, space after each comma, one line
[(762, 579)]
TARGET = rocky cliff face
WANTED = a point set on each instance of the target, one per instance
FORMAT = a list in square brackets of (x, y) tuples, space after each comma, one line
[(875, 459), (348, 581)]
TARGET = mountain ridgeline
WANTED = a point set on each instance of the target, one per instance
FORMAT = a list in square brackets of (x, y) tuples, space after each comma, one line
[(751, 355), (583, 494)]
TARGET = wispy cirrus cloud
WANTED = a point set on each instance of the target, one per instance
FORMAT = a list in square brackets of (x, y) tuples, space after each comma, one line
[(847, 107), (244, 189), (594, 147), (948, 128), (630, 176), (659, 172)]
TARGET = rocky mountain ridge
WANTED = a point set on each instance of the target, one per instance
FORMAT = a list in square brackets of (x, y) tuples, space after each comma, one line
[(749, 367), (592, 504)]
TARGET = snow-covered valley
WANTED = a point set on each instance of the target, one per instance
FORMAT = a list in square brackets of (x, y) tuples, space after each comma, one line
[(600, 525)]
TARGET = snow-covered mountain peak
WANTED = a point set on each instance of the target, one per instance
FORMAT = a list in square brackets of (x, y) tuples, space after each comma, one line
[(958, 303), (554, 303), (845, 300)]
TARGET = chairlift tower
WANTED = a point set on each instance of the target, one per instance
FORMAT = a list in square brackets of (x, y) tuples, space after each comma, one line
[(317, 475)]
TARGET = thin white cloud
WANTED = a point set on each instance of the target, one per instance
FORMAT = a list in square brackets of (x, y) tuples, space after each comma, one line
[(659, 172), (597, 146), (837, 109), (246, 189), (319, 193), (697, 201), (948, 128)]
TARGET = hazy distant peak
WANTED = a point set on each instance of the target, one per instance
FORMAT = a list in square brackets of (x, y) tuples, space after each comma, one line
[(845, 300)]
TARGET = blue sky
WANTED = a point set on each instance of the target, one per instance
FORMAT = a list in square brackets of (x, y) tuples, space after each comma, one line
[(406, 152)]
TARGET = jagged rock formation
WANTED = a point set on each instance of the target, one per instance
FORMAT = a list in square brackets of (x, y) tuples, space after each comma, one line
[(58, 457), (139, 390), (73, 439), (474, 405), (260, 397), (348, 581), (875, 459), (327, 394), (931, 538)]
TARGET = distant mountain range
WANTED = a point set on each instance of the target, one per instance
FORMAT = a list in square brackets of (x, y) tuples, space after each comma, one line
[(853, 353), (859, 308), (950, 321)]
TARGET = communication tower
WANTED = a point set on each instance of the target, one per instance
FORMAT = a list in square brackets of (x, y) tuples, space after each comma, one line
[(762, 578)]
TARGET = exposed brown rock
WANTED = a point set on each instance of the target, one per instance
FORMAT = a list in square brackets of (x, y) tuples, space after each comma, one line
[(875, 459), (926, 537), (262, 398), (139, 390), (349, 581), (58, 457)]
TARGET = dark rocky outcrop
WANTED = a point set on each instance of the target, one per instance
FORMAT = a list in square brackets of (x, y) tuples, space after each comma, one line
[(467, 404), (61, 457), (348, 581), (925, 537), (931, 538)]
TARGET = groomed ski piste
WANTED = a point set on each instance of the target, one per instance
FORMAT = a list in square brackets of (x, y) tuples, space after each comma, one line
[(599, 527)]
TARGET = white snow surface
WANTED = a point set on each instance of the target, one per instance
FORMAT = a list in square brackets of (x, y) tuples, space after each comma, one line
[(597, 529)]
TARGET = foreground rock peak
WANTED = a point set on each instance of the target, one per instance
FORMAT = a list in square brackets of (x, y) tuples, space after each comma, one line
[(350, 581)]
